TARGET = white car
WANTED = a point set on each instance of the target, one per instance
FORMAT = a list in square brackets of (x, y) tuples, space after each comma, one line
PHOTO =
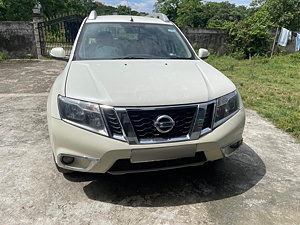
[(135, 97)]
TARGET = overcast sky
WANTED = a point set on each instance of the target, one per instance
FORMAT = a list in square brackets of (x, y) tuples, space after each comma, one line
[(147, 5)]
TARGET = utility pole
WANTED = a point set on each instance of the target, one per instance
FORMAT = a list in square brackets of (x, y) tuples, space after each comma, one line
[(274, 42)]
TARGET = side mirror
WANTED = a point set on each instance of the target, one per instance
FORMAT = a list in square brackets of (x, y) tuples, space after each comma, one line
[(203, 53), (58, 53)]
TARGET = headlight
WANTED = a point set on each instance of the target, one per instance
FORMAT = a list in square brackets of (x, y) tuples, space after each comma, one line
[(226, 107), (82, 114)]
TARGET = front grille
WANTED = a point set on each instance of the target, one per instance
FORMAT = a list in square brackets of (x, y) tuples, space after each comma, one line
[(143, 122), (126, 165), (137, 125)]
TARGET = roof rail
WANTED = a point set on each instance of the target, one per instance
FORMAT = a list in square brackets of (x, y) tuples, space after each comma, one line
[(93, 15), (161, 16)]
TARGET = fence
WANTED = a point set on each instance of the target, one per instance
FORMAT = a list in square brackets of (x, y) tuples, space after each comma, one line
[(59, 32)]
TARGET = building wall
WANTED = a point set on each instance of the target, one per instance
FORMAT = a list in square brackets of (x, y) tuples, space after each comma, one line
[(212, 39), (17, 39), (215, 40)]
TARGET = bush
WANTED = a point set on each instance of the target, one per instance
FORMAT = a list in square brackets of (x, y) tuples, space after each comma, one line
[(249, 37), (239, 55)]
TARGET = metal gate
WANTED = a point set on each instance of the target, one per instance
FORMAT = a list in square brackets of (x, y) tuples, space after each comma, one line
[(59, 32)]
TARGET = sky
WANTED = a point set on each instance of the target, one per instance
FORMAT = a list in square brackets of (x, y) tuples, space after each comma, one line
[(147, 5)]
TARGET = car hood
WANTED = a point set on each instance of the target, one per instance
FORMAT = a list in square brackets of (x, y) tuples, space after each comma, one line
[(145, 82)]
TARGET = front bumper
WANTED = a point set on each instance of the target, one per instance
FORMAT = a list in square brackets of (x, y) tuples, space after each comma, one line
[(97, 154)]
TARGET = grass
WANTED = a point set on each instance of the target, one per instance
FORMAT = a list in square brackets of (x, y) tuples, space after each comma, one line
[(2, 56), (271, 87)]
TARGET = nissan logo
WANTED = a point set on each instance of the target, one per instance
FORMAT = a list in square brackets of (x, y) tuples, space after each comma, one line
[(164, 123)]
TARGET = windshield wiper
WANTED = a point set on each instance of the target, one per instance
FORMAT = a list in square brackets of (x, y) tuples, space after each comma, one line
[(136, 56), (130, 57), (179, 57)]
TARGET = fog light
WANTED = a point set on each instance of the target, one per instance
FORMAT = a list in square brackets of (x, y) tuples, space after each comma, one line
[(229, 149), (237, 144), (67, 159)]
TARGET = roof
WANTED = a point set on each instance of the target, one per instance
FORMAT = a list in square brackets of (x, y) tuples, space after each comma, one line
[(154, 18)]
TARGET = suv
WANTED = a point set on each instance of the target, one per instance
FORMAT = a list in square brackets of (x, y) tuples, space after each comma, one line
[(135, 97)]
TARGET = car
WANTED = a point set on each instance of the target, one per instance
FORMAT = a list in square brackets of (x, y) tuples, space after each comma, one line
[(135, 97)]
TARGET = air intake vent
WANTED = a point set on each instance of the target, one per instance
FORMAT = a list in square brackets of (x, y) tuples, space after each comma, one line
[(112, 122), (208, 116), (126, 165)]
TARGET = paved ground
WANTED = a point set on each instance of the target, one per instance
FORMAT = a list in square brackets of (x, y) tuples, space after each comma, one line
[(258, 185)]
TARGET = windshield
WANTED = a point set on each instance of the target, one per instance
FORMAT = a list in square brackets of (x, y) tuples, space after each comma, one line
[(131, 41)]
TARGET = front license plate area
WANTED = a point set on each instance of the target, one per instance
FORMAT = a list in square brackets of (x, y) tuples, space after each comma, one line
[(158, 154)]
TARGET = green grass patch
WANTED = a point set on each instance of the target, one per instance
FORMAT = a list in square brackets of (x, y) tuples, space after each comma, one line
[(2, 56), (269, 86)]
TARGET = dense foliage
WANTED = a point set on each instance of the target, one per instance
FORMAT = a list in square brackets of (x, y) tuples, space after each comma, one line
[(21, 10), (248, 28), (199, 13), (196, 13)]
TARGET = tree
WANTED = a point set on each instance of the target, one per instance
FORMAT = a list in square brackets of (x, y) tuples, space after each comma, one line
[(57, 7), (79, 6), (195, 13), (168, 7), (51, 8), (102, 9), (209, 10), (2, 11), (16, 10), (189, 14), (21, 10), (124, 10), (223, 13), (283, 13), (250, 36)]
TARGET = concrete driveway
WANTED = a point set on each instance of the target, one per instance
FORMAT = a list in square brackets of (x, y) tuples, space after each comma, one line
[(258, 185)]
